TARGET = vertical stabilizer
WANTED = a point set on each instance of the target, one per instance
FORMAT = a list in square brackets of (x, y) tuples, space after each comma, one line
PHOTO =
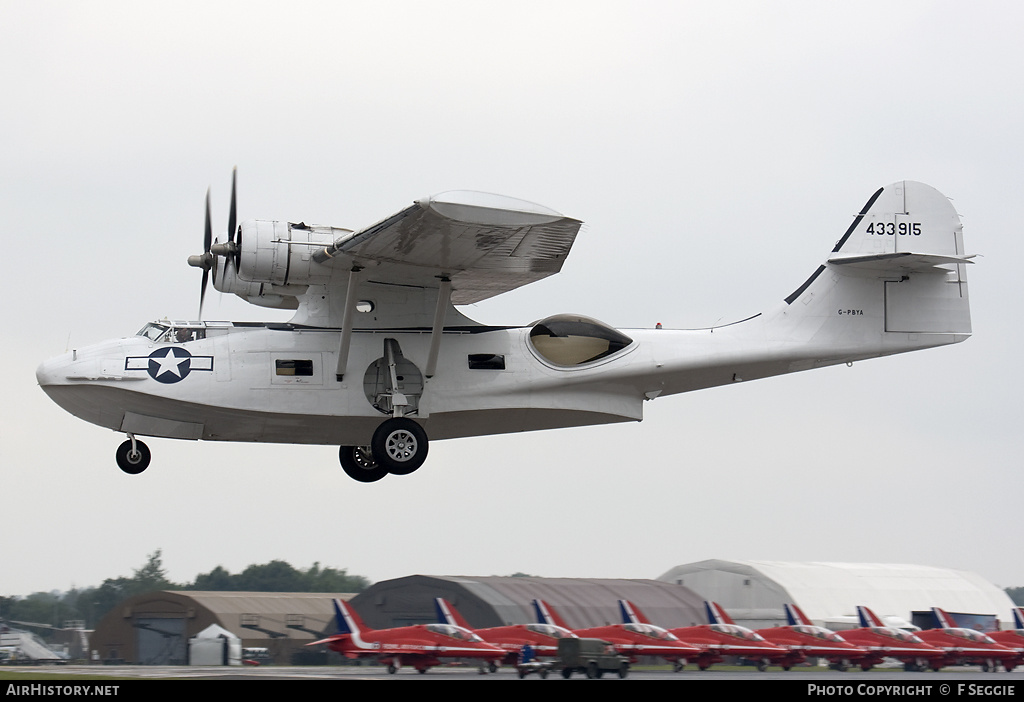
[(717, 615), (943, 619), (631, 614), (547, 615), (795, 616), (868, 618), (447, 614)]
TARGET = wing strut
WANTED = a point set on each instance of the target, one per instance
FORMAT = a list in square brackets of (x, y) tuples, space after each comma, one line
[(444, 296), (347, 321)]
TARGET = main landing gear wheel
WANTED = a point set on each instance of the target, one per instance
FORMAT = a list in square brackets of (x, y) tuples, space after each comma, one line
[(358, 464), (399, 445), (133, 462)]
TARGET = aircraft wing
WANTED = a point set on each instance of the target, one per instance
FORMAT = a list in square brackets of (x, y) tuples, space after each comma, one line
[(485, 244)]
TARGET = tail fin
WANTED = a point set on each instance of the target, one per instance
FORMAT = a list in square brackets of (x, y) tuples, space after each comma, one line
[(795, 615), (899, 269), (867, 617), (631, 614), (347, 620), (547, 615), (1018, 617), (944, 620), (717, 615), (447, 614)]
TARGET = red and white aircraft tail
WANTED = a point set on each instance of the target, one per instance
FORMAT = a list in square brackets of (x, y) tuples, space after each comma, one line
[(868, 618), (1018, 617), (631, 614), (717, 615), (795, 616), (447, 613), (348, 622), (547, 615), (945, 621)]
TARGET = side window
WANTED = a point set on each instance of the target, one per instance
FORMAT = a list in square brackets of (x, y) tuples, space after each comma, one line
[(486, 361), (302, 367)]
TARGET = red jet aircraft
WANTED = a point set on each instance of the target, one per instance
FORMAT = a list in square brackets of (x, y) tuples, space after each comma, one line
[(510, 639), (422, 646), (803, 640), (723, 637), (630, 639), (881, 642), (964, 646), (1013, 639)]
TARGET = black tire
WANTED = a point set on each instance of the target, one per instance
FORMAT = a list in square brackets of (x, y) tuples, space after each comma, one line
[(566, 673), (543, 673), (133, 464), (400, 445), (492, 667), (623, 670), (762, 666), (593, 672), (360, 466)]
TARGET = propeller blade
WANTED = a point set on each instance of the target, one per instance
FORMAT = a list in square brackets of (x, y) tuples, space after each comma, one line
[(231, 214), (207, 242), (202, 294), (232, 220)]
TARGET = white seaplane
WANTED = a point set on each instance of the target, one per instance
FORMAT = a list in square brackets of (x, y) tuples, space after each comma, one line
[(377, 357)]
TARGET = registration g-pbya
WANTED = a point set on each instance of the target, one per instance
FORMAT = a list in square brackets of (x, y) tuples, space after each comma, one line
[(378, 357)]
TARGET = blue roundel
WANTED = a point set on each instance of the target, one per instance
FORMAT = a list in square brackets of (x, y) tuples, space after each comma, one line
[(170, 364)]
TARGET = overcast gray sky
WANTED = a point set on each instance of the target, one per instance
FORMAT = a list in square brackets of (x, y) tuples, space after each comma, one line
[(716, 151)]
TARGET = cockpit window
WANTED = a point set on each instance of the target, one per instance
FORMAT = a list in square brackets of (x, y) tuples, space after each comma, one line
[(152, 331), (169, 334), (571, 340)]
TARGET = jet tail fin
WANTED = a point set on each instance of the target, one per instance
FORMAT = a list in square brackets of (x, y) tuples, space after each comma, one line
[(447, 614), (867, 617), (1018, 617), (346, 618), (944, 620), (717, 615), (631, 614), (795, 616), (547, 615)]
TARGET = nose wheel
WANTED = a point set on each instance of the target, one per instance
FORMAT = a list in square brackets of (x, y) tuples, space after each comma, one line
[(133, 456)]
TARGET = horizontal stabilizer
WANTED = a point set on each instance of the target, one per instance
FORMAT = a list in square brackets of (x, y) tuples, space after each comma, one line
[(898, 261)]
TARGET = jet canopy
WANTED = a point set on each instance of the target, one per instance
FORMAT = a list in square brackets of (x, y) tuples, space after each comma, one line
[(454, 632), (655, 632), (897, 634), (555, 632), (738, 631), (819, 632)]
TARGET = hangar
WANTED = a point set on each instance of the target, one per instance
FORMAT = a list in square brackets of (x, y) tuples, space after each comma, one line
[(754, 592), (498, 600), (153, 628)]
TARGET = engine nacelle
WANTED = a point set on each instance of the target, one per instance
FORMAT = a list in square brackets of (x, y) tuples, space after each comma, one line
[(281, 253)]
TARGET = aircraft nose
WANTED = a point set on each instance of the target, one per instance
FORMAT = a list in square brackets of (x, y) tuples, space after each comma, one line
[(51, 371)]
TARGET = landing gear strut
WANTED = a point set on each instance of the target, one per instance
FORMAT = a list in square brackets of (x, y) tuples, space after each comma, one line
[(133, 456)]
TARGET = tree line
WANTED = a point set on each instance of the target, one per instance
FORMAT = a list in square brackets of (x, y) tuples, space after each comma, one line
[(92, 603)]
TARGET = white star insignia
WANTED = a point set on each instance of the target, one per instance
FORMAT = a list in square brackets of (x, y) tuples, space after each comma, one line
[(169, 364)]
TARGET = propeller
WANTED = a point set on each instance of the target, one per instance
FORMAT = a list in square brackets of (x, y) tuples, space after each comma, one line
[(231, 251)]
